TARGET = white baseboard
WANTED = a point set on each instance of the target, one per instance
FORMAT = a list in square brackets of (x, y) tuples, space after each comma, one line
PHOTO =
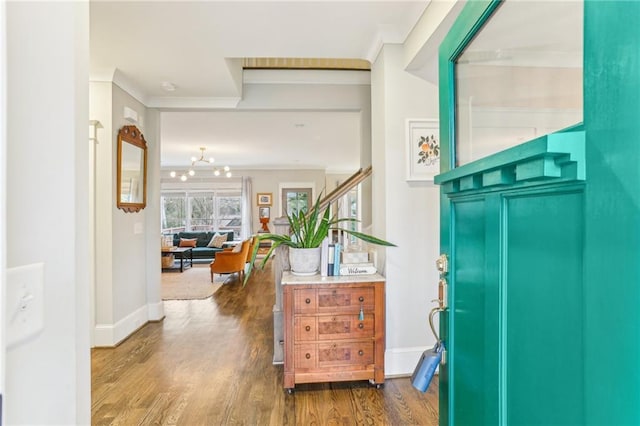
[(156, 311), (402, 361), (103, 335), (112, 334)]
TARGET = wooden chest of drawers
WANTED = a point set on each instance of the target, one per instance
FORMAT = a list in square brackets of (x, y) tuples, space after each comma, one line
[(333, 329)]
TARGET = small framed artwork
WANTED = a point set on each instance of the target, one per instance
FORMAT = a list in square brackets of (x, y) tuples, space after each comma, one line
[(264, 198), (264, 212), (423, 149)]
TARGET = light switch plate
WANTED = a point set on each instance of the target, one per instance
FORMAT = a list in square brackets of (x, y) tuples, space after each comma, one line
[(25, 302)]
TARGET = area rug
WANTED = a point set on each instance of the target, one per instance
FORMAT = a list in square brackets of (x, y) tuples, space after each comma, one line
[(193, 283)]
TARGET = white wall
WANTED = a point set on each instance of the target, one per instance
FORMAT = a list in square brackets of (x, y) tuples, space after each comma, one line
[(405, 213), (127, 272), (129, 247), (422, 44), (100, 109), (155, 306), (3, 183), (48, 376), (281, 96)]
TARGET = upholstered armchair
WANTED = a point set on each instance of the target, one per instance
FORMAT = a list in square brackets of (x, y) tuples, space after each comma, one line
[(231, 260)]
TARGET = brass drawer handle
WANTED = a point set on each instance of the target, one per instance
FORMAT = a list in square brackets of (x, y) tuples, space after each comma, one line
[(308, 328), (361, 326), (307, 356), (360, 352), (307, 301)]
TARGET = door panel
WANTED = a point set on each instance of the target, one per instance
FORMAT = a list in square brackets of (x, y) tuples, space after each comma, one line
[(474, 383), (542, 307), (515, 331)]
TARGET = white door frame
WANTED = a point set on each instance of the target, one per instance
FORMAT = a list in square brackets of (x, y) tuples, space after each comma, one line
[(290, 185), (3, 193)]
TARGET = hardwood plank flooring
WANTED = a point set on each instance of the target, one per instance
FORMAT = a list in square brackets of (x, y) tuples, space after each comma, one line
[(210, 363)]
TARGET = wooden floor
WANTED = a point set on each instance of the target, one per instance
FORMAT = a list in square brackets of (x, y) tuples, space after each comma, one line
[(210, 363)]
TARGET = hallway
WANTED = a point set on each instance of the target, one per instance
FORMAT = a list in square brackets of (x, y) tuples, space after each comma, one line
[(210, 362)]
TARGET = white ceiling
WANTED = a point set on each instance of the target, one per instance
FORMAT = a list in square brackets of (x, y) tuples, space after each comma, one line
[(306, 140), (197, 46)]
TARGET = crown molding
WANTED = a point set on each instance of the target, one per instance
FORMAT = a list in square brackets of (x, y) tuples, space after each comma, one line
[(128, 86), (115, 76)]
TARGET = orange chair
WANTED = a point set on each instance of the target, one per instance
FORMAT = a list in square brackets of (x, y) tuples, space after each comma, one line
[(229, 261)]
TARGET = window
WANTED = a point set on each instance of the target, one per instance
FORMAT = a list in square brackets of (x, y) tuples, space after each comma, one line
[(512, 89), (348, 207), (295, 200), (229, 212), (202, 208), (201, 211), (173, 208)]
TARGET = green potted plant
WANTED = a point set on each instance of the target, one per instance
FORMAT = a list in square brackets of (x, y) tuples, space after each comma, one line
[(307, 231)]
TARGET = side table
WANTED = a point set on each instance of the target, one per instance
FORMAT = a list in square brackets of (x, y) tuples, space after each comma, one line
[(185, 254)]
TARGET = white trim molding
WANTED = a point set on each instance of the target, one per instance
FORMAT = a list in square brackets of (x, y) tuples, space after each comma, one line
[(109, 335), (400, 362), (156, 311)]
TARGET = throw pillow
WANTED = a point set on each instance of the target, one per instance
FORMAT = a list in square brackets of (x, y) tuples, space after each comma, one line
[(217, 240), (187, 242)]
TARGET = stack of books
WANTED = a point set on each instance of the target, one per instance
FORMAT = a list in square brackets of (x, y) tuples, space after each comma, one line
[(335, 261)]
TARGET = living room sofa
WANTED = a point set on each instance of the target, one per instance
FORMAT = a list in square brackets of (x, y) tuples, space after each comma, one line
[(201, 251)]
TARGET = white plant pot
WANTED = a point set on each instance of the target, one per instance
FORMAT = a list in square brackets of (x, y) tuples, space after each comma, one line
[(304, 261)]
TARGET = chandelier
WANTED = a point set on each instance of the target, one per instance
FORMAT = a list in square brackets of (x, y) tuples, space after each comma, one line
[(196, 161)]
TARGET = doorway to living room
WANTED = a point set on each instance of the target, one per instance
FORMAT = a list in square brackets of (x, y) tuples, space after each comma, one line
[(296, 196)]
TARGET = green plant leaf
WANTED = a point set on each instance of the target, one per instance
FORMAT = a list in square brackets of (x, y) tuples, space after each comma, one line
[(308, 230), (367, 238)]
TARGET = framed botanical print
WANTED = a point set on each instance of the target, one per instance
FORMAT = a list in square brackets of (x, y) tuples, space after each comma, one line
[(423, 149)]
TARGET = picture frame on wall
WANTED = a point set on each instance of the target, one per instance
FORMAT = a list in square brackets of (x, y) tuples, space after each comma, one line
[(264, 212), (264, 198), (423, 149)]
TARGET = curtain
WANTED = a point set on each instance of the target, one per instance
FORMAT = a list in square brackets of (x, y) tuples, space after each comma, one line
[(247, 212)]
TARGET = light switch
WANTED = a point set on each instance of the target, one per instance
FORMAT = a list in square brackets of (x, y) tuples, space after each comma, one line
[(25, 302), (137, 228)]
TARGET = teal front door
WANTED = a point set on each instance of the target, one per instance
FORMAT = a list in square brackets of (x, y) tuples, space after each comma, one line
[(540, 218)]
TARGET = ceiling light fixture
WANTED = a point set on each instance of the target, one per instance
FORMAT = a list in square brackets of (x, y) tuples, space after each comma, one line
[(195, 161)]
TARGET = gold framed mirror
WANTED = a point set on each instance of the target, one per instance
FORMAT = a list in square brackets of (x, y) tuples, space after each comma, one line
[(131, 170)]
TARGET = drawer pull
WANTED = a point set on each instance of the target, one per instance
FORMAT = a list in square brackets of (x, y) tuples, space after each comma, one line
[(361, 326), (307, 301), (361, 298), (307, 356), (308, 328), (360, 352)]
